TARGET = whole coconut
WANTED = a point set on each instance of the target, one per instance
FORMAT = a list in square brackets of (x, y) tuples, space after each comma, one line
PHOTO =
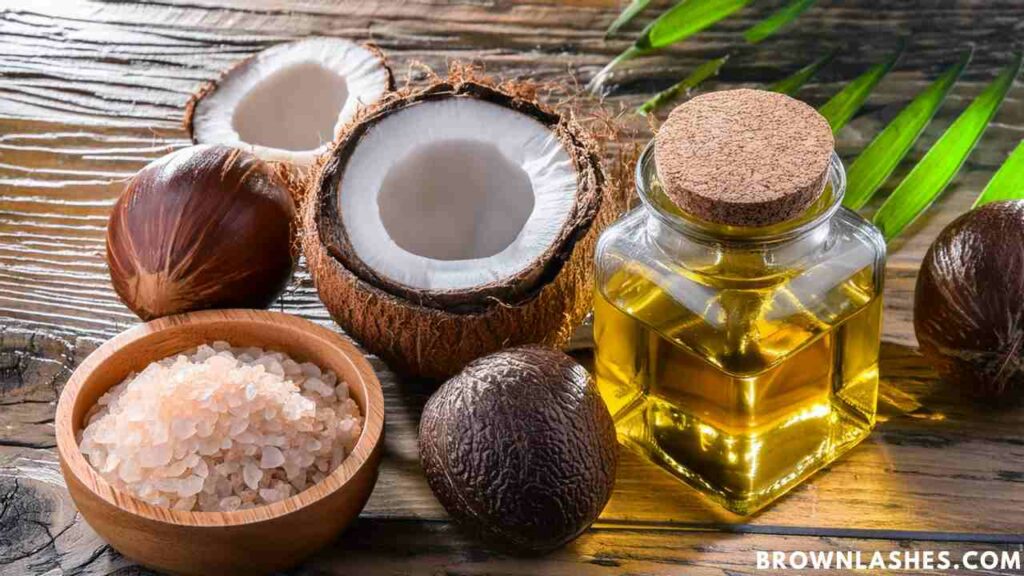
[(969, 302), (520, 449)]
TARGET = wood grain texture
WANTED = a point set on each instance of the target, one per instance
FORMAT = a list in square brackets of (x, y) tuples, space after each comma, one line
[(91, 91), (46, 535)]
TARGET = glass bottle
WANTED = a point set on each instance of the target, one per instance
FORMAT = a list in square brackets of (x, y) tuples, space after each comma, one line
[(739, 359)]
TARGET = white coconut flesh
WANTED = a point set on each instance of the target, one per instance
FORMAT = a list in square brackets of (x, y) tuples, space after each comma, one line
[(454, 194), (287, 103)]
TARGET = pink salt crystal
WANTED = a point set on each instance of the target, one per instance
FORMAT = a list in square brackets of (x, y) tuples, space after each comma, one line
[(291, 411), (183, 428), (275, 440), (310, 369), (292, 471), (209, 486), (312, 384), (181, 452), (272, 457), (111, 463), (291, 367), (167, 484), (104, 434), (337, 456), (145, 490), (226, 468), (341, 391), (190, 486), (176, 468), (240, 425), (269, 494), (154, 456), (230, 503), (209, 446), (251, 475), (203, 353), (205, 428), (228, 485)]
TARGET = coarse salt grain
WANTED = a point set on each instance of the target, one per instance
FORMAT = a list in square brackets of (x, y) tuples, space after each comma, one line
[(221, 428)]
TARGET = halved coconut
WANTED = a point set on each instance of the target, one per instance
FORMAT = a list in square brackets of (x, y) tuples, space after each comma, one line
[(455, 221), (286, 103)]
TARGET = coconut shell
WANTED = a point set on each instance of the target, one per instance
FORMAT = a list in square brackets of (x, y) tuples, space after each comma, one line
[(968, 310), (520, 449), (295, 177), (435, 334), (511, 290)]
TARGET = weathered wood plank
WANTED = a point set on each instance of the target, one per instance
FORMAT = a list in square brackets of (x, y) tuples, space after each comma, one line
[(376, 545), (41, 532)]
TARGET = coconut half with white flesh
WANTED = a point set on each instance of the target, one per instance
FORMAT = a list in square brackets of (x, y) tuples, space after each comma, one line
[(286, 103), (454, 221)]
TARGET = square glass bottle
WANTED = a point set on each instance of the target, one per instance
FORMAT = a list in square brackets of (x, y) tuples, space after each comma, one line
[(740, 359)]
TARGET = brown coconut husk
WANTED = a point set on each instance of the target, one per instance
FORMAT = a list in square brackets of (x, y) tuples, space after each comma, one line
[(434, 335)]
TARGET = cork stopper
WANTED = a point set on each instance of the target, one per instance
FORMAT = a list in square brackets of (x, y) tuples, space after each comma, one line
[(743, 157)]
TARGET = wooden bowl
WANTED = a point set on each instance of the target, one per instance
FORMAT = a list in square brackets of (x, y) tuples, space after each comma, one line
[(254, 541)]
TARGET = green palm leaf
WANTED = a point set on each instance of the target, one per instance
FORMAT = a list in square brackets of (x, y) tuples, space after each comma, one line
[(626, 16), (756, 33), (877, 162), (683, 20), (778, 19), (845, 104), (942, 162), (1008, 181), (790, 84), (698, 76)]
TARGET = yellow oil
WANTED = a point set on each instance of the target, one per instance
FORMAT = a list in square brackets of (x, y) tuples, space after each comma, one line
[(742, 404)]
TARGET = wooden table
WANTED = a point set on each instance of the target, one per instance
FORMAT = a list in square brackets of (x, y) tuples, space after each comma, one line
[(90, 91)]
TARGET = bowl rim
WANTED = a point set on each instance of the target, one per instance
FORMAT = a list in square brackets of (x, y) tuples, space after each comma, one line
[(76, 464)]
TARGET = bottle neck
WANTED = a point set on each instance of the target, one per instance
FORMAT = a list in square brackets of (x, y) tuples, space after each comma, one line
[(666, 220)]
